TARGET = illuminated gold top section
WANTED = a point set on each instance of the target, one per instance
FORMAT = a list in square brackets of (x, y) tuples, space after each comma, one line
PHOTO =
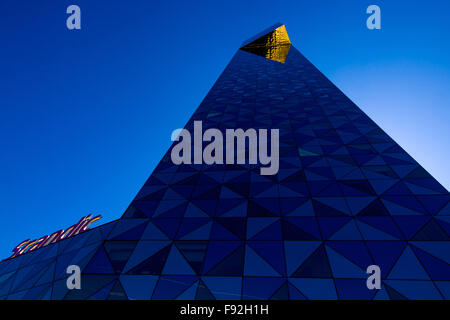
[(273, 45)]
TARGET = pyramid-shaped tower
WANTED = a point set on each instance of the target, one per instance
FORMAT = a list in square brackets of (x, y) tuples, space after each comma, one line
[(345, 197)]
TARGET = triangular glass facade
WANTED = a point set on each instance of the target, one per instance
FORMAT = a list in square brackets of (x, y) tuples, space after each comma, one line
[(346, 196)]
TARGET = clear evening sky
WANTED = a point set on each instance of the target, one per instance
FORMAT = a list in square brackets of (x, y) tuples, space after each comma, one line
[(86, 115)]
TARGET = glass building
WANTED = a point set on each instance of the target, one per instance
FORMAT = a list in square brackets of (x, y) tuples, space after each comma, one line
[(345, 197)]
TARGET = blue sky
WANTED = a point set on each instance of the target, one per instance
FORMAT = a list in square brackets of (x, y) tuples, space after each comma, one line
[(86, 115)]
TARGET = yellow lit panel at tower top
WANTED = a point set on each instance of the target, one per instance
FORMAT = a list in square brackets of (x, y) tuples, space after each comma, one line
[(273, 45)]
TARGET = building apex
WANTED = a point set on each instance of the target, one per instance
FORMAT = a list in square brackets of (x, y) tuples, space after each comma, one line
[(273, 36), (273, 43)]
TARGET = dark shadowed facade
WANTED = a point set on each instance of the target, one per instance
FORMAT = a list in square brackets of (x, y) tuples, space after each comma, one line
[(346, 196)]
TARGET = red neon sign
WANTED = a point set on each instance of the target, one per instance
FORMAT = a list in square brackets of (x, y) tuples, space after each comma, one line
[(29, 245)]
